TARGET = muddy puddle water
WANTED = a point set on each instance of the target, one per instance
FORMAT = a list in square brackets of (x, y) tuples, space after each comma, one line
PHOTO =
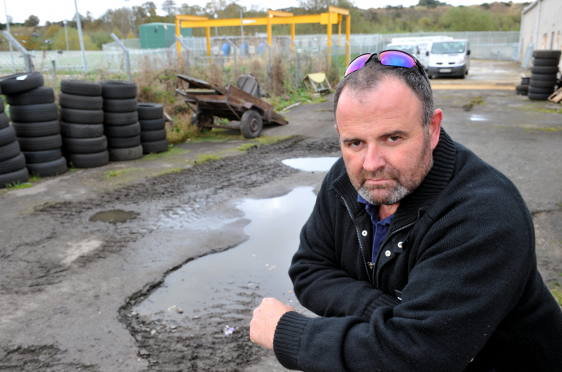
[(226, 281), (311, 164), (115, 216)]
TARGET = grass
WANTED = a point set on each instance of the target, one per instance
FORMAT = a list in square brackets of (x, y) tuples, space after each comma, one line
[(557, 293), (300, 95), (172, 151), (33, 178), (545, 129), (119, 172), (205, 158), (262, 141), (168, 171), (542, 109)]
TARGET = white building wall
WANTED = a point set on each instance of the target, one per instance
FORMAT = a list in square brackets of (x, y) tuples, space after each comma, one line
[(549, 34)]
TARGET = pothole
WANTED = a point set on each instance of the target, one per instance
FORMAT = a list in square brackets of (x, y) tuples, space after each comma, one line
[(224, 282), (114, 216), (311, 164)]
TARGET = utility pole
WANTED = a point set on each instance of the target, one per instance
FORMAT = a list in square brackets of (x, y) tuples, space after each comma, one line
[(79, 25), (66, 34), (8, 19)]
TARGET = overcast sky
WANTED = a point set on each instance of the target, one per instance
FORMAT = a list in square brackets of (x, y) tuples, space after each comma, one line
[(57, 10)]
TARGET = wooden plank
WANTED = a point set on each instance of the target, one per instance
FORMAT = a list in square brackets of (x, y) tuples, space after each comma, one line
[(202, 84), (556, 97), (200, 91), (236, 93)]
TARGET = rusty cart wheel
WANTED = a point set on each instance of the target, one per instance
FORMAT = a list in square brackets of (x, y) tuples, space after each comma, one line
[(251, 124), (201, 119)]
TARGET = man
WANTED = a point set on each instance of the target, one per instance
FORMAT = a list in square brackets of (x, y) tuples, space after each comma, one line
[(418, 256)]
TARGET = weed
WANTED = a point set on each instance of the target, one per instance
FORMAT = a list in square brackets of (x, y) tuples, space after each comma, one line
[(18, 185), (541, 109), (172, 151), (205, 158), (545, 129), (168, 171), (557, 293), (118, 172)]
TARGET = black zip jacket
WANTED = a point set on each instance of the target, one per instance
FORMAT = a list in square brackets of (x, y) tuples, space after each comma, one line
[(455, 286)]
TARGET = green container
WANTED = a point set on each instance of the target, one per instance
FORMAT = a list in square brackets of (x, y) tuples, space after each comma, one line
[(159, 35)]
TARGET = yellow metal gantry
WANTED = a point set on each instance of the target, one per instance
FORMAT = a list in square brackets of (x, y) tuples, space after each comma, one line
[(274, 17)]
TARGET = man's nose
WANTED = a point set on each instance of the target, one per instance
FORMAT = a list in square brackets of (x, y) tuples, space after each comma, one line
[(374, 159)]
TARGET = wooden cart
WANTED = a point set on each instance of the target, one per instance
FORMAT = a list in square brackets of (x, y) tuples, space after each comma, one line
[(210, 100)]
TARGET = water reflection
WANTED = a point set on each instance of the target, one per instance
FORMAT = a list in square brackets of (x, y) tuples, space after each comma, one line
[(311, 164)]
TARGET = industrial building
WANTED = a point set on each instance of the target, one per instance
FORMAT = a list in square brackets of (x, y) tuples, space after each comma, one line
[(541, 25), (160, 35)]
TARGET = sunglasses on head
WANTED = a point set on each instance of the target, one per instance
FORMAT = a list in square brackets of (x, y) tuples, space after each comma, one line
[(395, 58)]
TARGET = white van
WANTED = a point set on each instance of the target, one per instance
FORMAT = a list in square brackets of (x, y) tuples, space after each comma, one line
[(410, 48), (449, 58)]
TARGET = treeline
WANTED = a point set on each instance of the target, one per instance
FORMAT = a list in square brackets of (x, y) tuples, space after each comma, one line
[(427, 16)]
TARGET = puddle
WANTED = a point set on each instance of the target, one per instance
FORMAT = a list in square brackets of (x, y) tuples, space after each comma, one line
[(115, 216), (478, 118), (227, 280), (311, 164)]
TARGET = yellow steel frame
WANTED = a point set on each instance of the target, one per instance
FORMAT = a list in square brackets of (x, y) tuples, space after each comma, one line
[(274, 17)]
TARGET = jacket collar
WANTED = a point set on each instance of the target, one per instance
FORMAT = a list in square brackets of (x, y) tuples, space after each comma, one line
[(444, 159)]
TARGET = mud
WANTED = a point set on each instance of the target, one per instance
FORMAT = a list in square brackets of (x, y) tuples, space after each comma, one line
[(72, 290)]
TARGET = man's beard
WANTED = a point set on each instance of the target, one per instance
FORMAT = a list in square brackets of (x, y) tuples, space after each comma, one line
[(405, 183)]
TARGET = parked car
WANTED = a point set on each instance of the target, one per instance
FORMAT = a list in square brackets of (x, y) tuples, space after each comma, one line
[(449, 58), (411, 48)]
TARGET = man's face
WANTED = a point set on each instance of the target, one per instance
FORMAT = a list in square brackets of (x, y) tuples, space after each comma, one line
[(386, 149)]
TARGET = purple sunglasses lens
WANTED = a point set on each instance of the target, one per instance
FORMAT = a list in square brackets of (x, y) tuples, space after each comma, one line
[(398, 59), (357, 63)]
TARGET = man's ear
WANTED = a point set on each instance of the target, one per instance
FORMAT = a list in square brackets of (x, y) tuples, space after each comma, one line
[(435, 128), (337, 130)]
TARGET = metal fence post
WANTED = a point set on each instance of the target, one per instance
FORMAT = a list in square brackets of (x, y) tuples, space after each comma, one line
[(25, 54), (296, 63), (126, 51), (184, 46)]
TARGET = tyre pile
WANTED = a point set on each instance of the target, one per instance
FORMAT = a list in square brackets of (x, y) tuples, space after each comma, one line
[(120, 120), (153, 128), (543, 74), (12, 161), (523, 88), (35, 119), (82, 123)]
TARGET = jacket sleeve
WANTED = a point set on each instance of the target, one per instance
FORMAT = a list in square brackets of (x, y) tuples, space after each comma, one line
[(469, 274), (320, 284)]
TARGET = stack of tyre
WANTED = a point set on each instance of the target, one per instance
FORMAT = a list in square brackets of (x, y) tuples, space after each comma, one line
[(120, 121), (523, 88), (12, 161), (544, 73), (153, 128), (35, 119), (82, 123)]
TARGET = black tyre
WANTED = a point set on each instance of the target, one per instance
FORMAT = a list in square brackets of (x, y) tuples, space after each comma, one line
[(154, 147), (522, 92), (544, 84), (48, 169), (20, 176), (116, 89), (150, 111), (153, 135), (251, 124), (4, 120), (538, 97), (36, 96), (81, 116), (73, 101), (546, 54), (9, 151), (41, 129), (34, 113), (125, 154), (546, 62), (11, 165), (543, 77), (40, 143), (7, 135), (2, 107), (21, 82), (94, 160), (148, 125), (120, 118), (523, 87), (35, 157), (120, 105), (85, 145), (533, 89), (544, 69), (70, 130), (122, 143), (122, 131), (80, 87)]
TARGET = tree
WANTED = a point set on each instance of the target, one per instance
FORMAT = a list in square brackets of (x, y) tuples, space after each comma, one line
[(431, 3), (169, 6), (150, 8), (32, 21)]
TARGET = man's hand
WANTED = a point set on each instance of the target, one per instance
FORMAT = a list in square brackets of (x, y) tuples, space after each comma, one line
[(264, 322)]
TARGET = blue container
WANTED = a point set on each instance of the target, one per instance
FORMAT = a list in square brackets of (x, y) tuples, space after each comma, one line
[(261, 48), (225, 49), (244, 49)]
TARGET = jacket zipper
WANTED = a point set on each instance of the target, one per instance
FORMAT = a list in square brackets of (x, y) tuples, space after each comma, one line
[(359, 239), (375, 273)]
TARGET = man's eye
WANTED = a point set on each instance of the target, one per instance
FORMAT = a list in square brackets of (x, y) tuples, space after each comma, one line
[(393, 139), (355, 143)]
